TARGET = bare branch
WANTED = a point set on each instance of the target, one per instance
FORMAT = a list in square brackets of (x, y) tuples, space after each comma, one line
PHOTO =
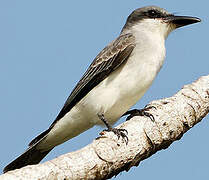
[(107, 156)]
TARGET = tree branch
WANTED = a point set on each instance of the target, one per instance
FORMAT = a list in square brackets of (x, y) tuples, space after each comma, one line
[(107, 156)]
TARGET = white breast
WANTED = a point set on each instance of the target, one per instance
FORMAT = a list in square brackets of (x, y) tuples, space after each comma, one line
[(125, 86), (115, 94)]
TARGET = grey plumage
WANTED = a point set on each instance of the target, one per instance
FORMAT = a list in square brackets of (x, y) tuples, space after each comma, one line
[(107, 61), (31, 156), (116, 79)]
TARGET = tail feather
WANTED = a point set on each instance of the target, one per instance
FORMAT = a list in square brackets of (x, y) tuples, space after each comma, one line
[(29, 157)]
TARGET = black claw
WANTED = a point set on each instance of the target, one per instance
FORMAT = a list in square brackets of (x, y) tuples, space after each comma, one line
[(120, 133), (140, 112), (149, 115)]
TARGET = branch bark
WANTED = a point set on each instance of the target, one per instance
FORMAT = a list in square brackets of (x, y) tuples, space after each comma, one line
[(107, 156)]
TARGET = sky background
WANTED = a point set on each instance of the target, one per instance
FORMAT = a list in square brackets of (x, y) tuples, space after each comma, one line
[(46, 46)]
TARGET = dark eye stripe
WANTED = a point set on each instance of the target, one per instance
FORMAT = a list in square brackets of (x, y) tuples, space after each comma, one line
[(153, 14)]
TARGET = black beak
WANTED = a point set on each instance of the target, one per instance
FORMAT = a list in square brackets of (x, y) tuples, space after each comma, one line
[(180, 21)]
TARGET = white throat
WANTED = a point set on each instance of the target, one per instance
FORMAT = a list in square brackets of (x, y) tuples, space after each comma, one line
[(153, 27)]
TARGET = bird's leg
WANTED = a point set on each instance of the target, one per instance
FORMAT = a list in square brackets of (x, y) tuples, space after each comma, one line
[(140, 112), (119, 132)]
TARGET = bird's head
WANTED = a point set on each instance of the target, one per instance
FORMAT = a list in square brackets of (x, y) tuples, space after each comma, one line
[(157, 20)]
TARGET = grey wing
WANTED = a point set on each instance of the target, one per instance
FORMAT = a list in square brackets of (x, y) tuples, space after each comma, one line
[(106, 61), (109, 59)]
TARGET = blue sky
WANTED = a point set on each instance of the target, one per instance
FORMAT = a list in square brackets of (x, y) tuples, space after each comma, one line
[(45, 47)]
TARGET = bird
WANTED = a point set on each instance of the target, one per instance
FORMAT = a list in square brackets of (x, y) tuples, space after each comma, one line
[(116, 79)]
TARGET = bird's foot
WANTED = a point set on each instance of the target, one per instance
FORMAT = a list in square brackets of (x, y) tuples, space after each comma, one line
[(140, 112), (120, 133)]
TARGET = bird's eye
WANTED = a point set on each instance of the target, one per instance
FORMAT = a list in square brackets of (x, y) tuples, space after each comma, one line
[(152, 13)]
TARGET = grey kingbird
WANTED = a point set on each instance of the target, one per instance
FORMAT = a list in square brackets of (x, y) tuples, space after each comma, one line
[(117, 78)]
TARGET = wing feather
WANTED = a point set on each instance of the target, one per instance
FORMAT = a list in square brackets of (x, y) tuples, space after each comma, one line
[(110, 58)]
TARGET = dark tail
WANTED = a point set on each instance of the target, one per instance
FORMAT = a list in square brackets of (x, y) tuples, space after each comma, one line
[(31, 156)]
